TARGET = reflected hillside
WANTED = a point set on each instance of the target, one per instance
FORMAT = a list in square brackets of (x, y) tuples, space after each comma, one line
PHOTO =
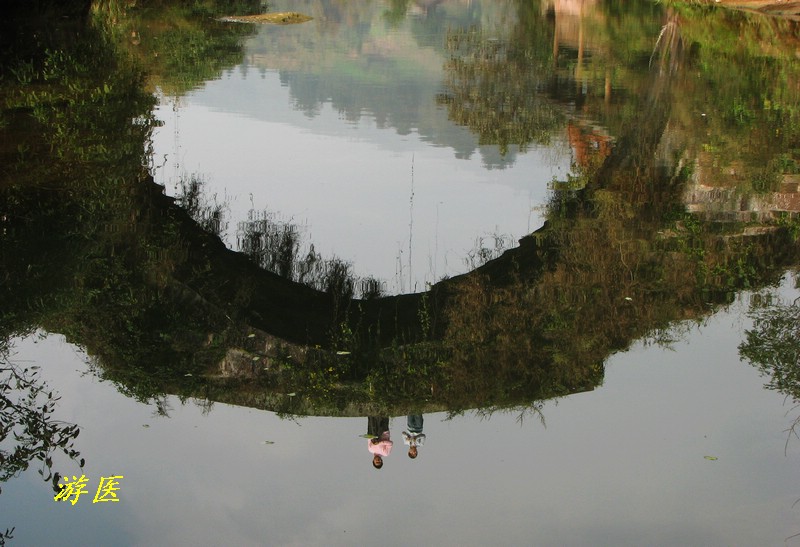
[(373, 61), (93, 249)]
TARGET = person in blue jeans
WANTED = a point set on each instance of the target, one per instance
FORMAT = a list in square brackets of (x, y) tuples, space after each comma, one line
[(414, 437)]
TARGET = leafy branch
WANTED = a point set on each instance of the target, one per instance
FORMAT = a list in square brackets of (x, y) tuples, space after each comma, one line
[(28, 432)]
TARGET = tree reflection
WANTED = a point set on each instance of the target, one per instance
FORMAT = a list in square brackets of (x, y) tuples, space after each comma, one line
[(93, 249), (28, 432), (493, 85), (773, 347)]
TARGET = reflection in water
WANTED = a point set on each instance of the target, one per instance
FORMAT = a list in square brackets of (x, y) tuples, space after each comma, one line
[(773, 347), (28, 431), (635, 240), (181, 314), (414, 437), (359, 90), (379, 442), (616, 245)]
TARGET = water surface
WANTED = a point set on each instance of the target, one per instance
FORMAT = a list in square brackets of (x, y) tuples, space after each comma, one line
[(622, 465), (624, 375), (334, 125)]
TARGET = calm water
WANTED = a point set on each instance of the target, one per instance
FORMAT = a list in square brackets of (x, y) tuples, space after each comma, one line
[(625, 377), (334, 126), (622, 465)]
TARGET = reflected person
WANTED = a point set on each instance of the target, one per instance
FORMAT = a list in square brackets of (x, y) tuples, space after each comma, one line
[(414, 437), (379, 444)]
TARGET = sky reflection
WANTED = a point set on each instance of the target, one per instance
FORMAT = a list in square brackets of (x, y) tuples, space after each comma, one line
[(350, 182), (623, 464)]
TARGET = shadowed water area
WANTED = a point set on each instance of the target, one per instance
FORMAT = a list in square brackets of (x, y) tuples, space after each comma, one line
[(443, 272)]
